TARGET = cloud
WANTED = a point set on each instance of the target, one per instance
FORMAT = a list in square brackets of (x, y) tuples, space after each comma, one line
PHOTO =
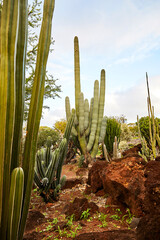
[(109, 27), (133, 101), (50, 117)]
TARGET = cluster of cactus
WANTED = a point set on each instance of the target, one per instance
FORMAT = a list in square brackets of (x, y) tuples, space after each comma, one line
[(89, 127), (15, 181), (49, 165), (151, 150)]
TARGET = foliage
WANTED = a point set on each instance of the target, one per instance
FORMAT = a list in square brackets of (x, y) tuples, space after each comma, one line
[(144, 127), (113, 128), (150, 138), (133, 129), (52, 90), (49, 164), (126, 134), (85, 214), (123, 145), (60, 125), (16, 181), (45, 132)]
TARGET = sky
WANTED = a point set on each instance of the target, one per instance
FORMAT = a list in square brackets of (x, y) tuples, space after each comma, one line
[(120, 36)]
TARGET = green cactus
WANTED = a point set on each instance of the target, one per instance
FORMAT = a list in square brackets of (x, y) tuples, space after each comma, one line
[(115, 148), (88, 120), (13, 43), (150, 148), (112, 129), (49, 164)]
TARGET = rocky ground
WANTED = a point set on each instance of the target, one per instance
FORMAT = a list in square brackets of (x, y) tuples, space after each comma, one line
[(100, 203)]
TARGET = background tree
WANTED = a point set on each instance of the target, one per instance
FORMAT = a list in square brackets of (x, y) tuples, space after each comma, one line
[(60, 125), (44, 133), (51, 88)]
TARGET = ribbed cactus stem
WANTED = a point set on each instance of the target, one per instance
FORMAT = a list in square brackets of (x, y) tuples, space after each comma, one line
[(94, 116), (76, 73), (100, 113), (103, 130), (86, 114), (15, 203), (68, 108), (88, 130), (115, 148), (81, 113)]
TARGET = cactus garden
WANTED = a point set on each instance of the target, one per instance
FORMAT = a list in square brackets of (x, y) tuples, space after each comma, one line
[(88, 174)]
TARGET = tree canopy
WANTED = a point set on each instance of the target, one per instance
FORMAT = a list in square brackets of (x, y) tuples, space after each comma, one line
[(52, 90)]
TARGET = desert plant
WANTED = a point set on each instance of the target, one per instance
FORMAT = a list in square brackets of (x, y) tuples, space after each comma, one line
[(126, 134), (144, 124), (13, 39), (151, 141), (45, 132), (115, 148), (113, 128), (49, 165), (88, 119)]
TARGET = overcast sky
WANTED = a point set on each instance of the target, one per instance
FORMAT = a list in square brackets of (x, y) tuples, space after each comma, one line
[(121, 36)]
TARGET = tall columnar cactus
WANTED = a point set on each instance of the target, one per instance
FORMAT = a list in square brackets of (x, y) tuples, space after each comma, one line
[(14, 195), (150, 149), (49, 164), (88, 120)]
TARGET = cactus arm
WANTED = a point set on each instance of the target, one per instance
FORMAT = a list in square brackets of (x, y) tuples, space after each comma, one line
[(39, 166), (94, 117), (69, 126), (36, 107), (103, 130), (3, 96), (81, 113), (20, 84), (87, 132), (67, 107), (11, 11), (100, 113), (37, 180), (63, 150), (51, 171), (76, 73), (48, 151), (86, 114), (15, 203)]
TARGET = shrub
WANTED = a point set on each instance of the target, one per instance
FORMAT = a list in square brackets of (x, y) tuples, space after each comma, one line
[(60, 125), (44, 133), (144, 127), (113, 128), (126, 134)]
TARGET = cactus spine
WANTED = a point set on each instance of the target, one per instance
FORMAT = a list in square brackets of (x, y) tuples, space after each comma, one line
[(13, 42), (88, 121)]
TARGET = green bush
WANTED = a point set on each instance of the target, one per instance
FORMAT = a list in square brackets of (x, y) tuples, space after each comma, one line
[(44, 133), (134, 129), (144, 127), (113, 128), (126, 134)]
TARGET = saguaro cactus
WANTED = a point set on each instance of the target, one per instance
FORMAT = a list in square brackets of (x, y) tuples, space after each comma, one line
[(88, 121), (13, 42)]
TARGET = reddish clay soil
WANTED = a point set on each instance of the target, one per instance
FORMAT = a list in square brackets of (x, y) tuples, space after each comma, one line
[(50, 221)]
